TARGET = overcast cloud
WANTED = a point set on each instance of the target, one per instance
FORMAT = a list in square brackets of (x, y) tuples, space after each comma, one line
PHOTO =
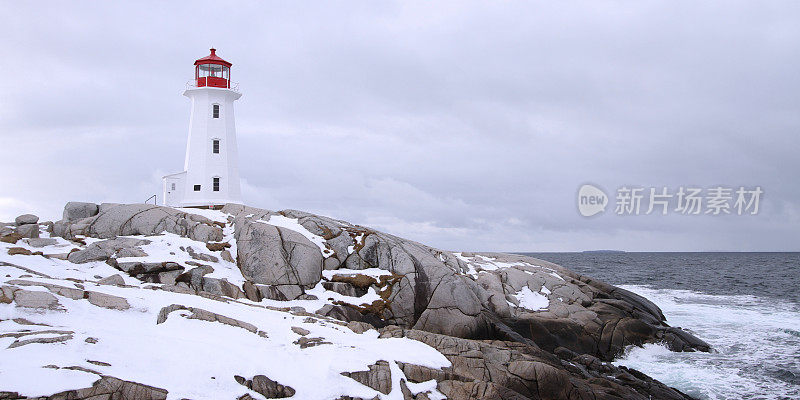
[(466, 126)]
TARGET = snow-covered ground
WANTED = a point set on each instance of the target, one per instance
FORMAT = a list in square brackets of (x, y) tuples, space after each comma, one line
[(191, 358), (195, 358)]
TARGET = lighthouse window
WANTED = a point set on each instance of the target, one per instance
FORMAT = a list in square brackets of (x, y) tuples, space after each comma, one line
[(196, 188), (215, 111), (204, 70), (172, 186), (215, 146), (216, 71), (216, 184)]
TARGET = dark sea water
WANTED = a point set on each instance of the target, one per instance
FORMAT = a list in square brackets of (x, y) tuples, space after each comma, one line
[(746, 305)]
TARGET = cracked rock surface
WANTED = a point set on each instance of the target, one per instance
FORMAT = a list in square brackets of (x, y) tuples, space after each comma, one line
[(504, 326)]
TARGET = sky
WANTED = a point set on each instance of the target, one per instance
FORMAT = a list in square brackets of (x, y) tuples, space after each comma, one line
[(462, 125)]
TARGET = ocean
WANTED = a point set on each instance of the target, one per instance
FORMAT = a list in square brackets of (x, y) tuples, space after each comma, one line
[(746, 305)]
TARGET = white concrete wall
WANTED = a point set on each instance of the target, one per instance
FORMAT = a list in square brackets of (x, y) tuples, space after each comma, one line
[(201, 164)]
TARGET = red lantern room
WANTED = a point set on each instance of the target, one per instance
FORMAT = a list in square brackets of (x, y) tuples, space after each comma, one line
[(212, 71)]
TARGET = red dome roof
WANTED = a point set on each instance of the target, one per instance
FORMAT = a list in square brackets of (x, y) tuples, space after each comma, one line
[(212, 59)]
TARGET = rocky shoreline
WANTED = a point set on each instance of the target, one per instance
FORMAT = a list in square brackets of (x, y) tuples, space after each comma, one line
[(510, 326)]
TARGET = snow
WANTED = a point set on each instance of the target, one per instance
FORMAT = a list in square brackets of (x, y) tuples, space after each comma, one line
[(202, 357), (166, 247), (294, 225), (531, 300), (373, 272), (357, 240), (479, 263), (190, 358), (426, 387), (331, 296), (219, 216), (214, 215)]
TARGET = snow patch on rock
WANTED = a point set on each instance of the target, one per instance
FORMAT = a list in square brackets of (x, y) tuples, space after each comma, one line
[(294, 225)]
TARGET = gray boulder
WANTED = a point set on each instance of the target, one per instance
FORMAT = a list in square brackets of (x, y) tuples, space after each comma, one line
[(221, 287), (141, 219), (26, 219), (36, 299), (115, 280), (105, 249), (107, 301), (265, 387), (108, 387), (279, 292), (75, 210), (276, 256), (40, 242), (194, 276), (28, 230)]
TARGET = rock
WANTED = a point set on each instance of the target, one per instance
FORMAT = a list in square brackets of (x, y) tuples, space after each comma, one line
[(12, 251), (63, 336), (217, 246), (36, 299), (7, 294), (279, 292), (105, 249), (112, 388), (28, 231), (305, 342), (378, 377), (358, 280), (69, 292), (168, 277), (680, 340), (276, 256), (221, 287), (40, 242), (226, 255), (26, 219), (201, 256), (204, 315), (11, 238), (107, 206), (75, 210), (115, 280), (251, 292), (48, 226), (141, 219), (265, 386), (508, 370), (300, 331), (194, 276), (344, 289), (107, 301), (359, 327), (155, 272)]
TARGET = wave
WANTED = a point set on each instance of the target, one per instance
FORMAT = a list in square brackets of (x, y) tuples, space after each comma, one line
[(755, 339)]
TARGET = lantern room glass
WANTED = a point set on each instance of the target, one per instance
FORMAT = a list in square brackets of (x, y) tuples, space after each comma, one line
[(213, 71)]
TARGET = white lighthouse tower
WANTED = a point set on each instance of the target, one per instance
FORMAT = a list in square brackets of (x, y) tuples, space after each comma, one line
[(210, 174)]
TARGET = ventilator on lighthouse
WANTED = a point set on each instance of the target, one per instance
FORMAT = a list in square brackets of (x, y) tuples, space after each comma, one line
[(210, 174)]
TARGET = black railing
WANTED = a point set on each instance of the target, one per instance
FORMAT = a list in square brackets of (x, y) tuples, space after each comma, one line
[(155, 199)]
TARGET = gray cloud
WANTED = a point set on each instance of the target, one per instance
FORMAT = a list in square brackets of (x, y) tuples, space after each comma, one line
[(463, 125)]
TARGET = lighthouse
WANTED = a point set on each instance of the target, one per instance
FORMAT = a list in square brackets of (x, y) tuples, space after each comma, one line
[(210, 176)]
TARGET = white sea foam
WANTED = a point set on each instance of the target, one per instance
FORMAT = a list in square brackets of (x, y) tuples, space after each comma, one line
[(757, 342)]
